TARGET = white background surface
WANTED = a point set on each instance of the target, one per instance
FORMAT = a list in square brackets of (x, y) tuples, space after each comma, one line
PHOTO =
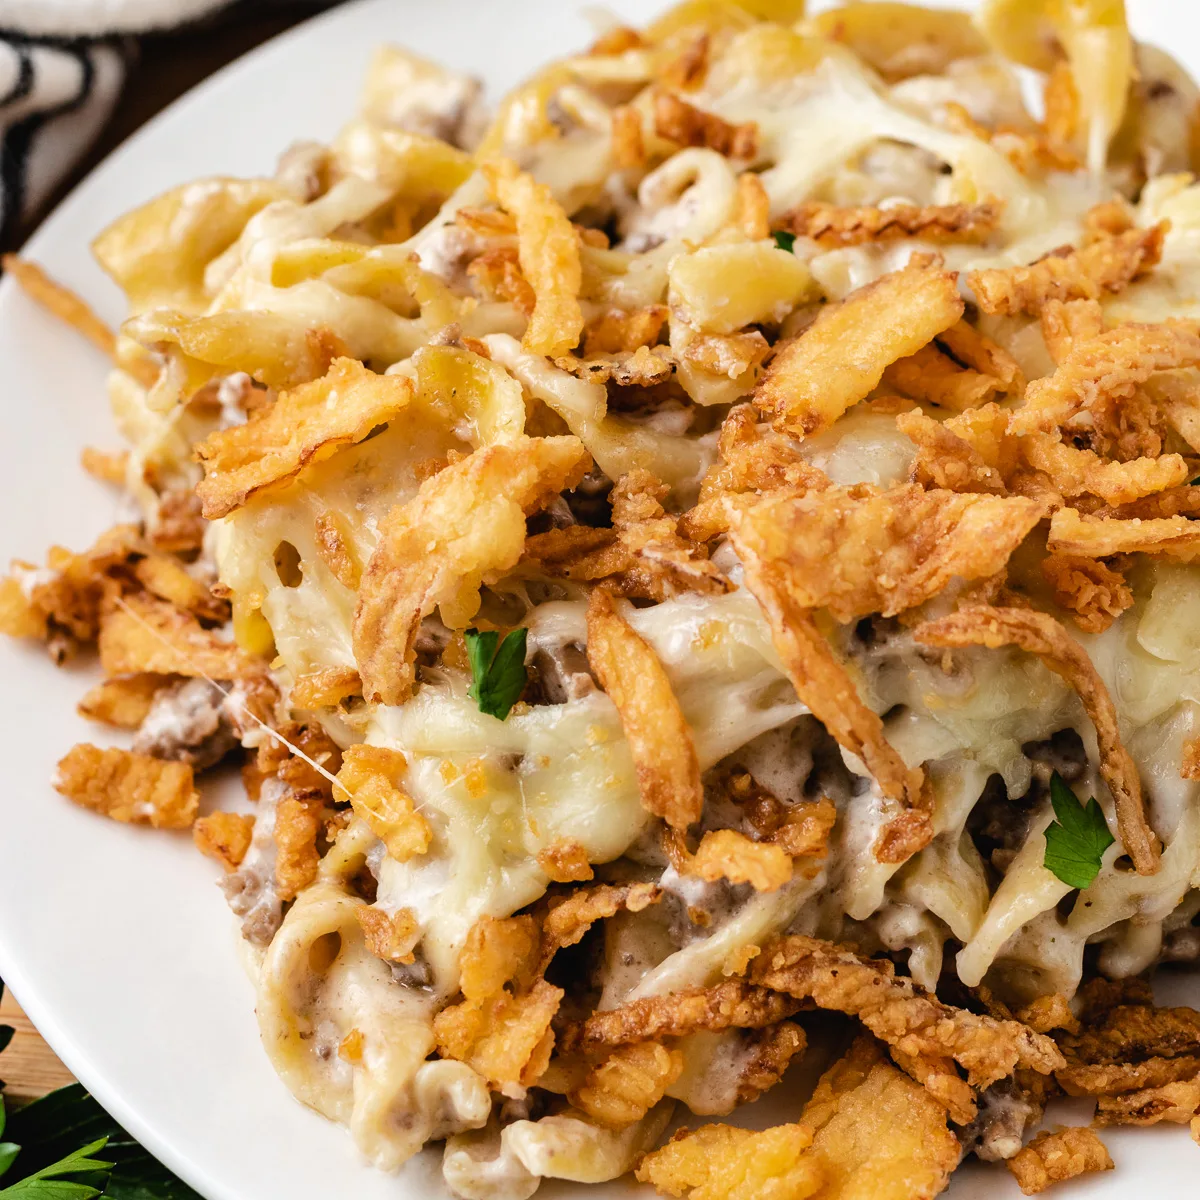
[(116, 939)]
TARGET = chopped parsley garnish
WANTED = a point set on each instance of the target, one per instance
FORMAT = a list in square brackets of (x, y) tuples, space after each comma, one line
[(497, 670), (1076, 841), (783, 239)]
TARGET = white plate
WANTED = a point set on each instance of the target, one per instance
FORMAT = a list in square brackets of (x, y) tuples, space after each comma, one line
[(115, 939)]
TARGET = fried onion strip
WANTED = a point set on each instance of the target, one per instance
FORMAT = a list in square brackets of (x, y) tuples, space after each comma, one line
[(832, 226), (811, 382), (1105, 266), (664, 754), (899, 1013), (733, 1004), (464, 522), (1040, 634)]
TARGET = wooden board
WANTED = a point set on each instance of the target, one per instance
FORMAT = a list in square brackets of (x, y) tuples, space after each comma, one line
[(28, 1067)]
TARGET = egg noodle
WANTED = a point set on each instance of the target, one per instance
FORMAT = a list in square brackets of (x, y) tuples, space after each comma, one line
[(678, 554)]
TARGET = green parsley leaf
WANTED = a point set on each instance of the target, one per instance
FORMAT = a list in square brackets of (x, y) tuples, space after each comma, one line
[(33, 1188), (54, 1125), (783, 239), (8, 1151), (1076, 841), (497, 670), (48, 1184)]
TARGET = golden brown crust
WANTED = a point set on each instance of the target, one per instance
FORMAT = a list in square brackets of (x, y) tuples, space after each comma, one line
[(142, 634), (733, 1004), (858, 550), (727, 854), (571, 917), (1071, 532), (1116, 1078), (809, 383), (565, 861), (301, 427), (1091, 590), (753, 214), (390, 936), (1177, 1103), (467, 520), (1104, 267), (325, 688), (684, 123), (617, 329), (771, 1050), (1057, 1155), (831, 226), (933, 377), (627, 1083), (822, 682), (548, 251), (129, 787), (297, 826), (1101, 375), (122, 702), (722, 1160), (938, 1075), (898, 1012), (659, 739), (224, 837), (873, 1122), (1189, 768), (336, 552), (371, 778), (628, 144)]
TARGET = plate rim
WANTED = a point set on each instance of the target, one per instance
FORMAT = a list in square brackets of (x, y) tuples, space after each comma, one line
[(44, 1016)]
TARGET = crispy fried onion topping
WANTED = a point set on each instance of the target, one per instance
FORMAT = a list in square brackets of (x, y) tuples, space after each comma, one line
[(933, 376), (571, 917), (1056, 1155), (466, 521), (371, 777), (1039, 633), (733, 1004), (628, 1083), (1105, 372), (224, 837), (858, 550), (718, 1161), (750, 459), (823, 683), (643, 555), (664, 754), (1105, 266), (145, 634), (678, 121), (866, 1126), (1097, 537), (303, 426), (548, 251), (502, 1027), (832, 226), (1093, 592), (1083, 472), (898, 1012), (129, 787), (813, 380)]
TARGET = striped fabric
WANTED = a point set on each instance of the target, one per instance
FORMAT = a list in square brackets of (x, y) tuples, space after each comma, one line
[(62, 65)]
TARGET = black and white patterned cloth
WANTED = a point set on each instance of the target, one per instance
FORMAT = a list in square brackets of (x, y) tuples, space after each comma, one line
[(62, 66)]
